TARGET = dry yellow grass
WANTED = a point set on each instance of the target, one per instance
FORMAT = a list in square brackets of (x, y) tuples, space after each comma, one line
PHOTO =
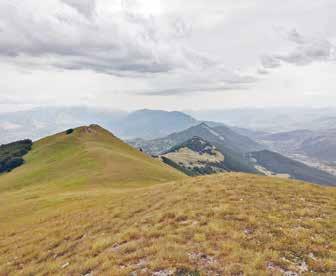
[(52, 223), (226, 224)]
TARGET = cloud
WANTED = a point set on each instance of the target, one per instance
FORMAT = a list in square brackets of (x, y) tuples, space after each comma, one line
[(307, 50), (188, 90), (114, 41), (85, 7), (269, 62)]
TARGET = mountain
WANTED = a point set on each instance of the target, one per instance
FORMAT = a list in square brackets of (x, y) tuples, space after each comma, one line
[(40, 122), (238, 142), (195, 157), (320, 145), (228, 143), (150, 124), (271, 163), (219, 135), (90, 155), (273, 119), (253, 134)]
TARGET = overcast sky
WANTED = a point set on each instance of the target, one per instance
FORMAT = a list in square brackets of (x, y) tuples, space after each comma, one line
[(191, 54)]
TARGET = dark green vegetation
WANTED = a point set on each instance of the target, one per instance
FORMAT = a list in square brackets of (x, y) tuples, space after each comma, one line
[(179, 167), (279, 164), (69, 131), (11, 154)]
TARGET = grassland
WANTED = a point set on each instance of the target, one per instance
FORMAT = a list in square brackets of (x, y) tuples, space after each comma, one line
[(225, 224), (90, 156)]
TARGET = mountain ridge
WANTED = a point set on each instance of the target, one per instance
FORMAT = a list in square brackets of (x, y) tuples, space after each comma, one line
[(87, 156)]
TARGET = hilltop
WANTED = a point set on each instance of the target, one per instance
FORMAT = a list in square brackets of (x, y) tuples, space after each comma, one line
[(195, 157), (89, 156)]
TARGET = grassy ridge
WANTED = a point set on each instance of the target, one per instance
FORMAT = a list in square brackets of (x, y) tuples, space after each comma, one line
[(89, 156), (225, 224)]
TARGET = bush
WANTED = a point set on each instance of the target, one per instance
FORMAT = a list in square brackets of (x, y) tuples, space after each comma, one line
[(69, 131), (11, 154)]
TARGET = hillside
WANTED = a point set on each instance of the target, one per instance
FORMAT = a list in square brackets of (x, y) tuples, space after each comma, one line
[(89, 156), (275, 163), (238, 142), (225, 224), (315, 148), (195, 157), (235, 159)]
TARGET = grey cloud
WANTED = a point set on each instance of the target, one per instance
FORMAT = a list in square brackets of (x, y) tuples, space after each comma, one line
[(270, 62), (192, 89), (307, 50), (294, 36), (85, 7), (113, 44), (262, 71)]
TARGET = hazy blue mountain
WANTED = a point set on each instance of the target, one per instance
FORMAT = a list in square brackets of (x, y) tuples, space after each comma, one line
[(321, 146), (316, 144), (40, 122), (272, 119), (150, 124), (276, 163)]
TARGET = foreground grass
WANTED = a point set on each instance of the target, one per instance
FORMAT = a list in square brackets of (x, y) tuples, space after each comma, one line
[(230, 224)]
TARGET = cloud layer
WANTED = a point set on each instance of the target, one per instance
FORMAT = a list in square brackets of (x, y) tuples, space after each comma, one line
[(306, 51), (77, 34), (133, 52)]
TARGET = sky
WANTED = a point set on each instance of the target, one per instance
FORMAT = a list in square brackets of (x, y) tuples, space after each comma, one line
[(173, 55)]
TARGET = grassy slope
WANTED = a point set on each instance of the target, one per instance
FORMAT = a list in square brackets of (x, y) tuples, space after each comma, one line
[(90, 156), (223, 224)]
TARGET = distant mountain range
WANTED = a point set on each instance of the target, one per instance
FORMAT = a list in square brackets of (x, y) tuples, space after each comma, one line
[(319, 145), (272, 163), (40, 122), (280, 119), (150, 124), (156, 131), (203, 149)]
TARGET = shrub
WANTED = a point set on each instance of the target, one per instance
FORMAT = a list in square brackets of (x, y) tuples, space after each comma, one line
[(69, 131), (11, 154)]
